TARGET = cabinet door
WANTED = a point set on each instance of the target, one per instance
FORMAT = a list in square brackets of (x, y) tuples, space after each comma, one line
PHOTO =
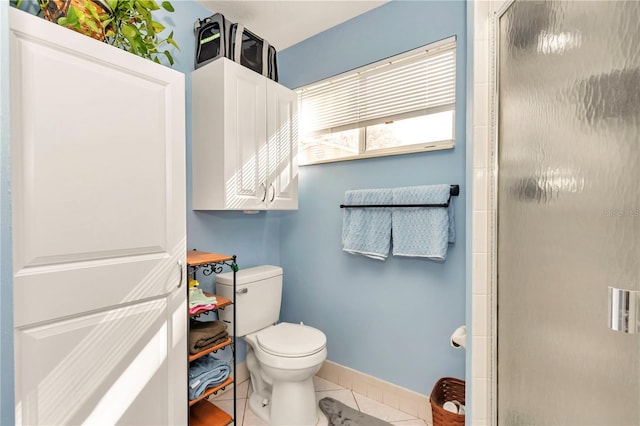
[(244, 140), (98, 206), (282, 135)]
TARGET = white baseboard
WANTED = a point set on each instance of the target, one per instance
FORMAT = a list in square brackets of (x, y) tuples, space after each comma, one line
[(405, 400)]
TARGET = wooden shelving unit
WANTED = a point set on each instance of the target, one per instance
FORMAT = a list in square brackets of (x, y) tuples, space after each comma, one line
[(211, 349), (199, 258), (222, 303), (211, 391), (205, 413), (201, 411)]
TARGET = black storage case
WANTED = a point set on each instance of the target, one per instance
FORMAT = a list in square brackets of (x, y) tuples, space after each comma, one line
[(217, 37), (253, 52), (212, 39)]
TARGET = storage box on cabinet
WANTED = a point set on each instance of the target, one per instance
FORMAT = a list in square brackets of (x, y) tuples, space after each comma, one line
[(212, 39), (245, 140), (253, 52)]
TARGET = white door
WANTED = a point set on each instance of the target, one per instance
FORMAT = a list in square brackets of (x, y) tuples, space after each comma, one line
[(245, 141), (282, 135), (98, 229)]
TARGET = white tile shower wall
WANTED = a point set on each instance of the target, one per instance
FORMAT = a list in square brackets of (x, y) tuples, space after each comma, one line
[(482, 247), (397, 397), (481, 299)]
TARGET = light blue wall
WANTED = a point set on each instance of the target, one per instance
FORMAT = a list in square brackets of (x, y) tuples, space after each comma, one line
[(253, 238), (390, 319), (6, 270), (307, 242)]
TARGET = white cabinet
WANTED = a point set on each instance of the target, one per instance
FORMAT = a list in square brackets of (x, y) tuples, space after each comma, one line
[(99, 231), (245, 140)]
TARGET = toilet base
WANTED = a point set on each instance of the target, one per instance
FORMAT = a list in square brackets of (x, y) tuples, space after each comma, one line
[(255, 404), (282, 391), (292, 404)]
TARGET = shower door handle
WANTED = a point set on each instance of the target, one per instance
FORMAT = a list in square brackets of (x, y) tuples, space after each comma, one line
[(624, 310)]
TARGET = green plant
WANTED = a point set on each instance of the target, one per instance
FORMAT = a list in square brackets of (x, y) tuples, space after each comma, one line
[(131, 27), (126, 24), (84, 16)]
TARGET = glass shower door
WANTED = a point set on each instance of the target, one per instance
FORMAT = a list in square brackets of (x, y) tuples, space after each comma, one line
[(568, 212)]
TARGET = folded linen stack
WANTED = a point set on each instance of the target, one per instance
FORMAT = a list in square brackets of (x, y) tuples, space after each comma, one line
[(203, 335), (199, 301), (206, 372)]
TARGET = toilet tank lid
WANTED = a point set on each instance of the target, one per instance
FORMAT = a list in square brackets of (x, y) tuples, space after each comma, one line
[(249, 275)]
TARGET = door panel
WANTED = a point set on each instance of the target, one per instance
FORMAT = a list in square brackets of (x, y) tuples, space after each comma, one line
[(246, 143), (282, 134), (568, 203), (98, 230), (70, 348), (56, 178)]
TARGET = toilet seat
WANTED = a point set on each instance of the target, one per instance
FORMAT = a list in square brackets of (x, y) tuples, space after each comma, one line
[(291, 340)]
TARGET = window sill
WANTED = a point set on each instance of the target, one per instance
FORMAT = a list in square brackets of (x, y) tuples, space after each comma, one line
[(434, 146)]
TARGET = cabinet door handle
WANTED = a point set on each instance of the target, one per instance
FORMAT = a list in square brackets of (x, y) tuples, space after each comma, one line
[(242, 291), (264, 197), (181, 273), (273, 196)]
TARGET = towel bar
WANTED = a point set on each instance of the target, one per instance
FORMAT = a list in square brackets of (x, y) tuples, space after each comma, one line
[(453, 192)]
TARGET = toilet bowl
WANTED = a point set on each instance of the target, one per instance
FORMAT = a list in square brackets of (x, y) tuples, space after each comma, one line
[(282, 358), (284, 370)]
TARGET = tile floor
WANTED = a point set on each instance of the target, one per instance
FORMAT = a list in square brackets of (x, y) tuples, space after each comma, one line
[(323, 388)]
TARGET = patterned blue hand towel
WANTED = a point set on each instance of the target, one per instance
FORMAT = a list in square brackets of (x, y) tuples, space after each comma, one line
[(367, 231), (206, 372), (422, 231)]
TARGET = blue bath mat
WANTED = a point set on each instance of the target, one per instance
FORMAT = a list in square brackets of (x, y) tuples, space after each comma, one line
[(343, 415)]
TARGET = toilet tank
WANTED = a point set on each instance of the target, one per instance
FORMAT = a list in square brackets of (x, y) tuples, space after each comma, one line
[(258, 297)]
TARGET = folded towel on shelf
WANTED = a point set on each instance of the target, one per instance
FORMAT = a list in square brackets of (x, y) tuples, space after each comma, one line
[(198, 298), (203, 335), (422, 231), (216, 340), (205, 373), (367, 231), (197, 308)]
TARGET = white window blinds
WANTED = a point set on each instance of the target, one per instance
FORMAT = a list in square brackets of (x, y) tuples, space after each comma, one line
[(417, 83)]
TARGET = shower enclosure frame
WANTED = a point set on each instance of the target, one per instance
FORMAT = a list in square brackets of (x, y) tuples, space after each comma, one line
[(482, 377), (494, 87), (496, 10)]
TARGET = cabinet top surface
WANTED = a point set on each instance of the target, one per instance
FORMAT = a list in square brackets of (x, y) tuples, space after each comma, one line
[(195, 258)]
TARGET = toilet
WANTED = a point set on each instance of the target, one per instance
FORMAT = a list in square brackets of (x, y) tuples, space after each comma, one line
[(282, 358)]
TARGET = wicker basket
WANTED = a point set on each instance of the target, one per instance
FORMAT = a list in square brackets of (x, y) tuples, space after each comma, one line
[(447, 389)]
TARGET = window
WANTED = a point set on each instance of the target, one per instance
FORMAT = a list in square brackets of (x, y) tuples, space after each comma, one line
[(399, 105)]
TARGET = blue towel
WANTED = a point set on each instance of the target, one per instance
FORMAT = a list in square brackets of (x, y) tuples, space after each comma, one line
[(367, 231), (205, 373), (422, 231)]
